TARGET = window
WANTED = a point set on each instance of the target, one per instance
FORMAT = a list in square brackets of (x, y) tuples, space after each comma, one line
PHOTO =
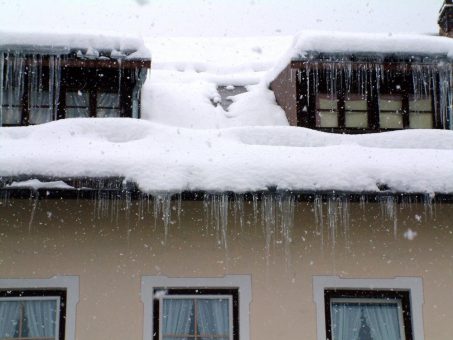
[(196, 314), (368, 314), (357, 97), (326, 111), (196, 308), (107, 104), (11, 106), (38, 309), (32, 314), (364, 309)]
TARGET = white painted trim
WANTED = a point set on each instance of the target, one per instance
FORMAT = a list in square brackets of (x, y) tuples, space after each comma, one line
[(413, 284), (69, 283), (242, 282)]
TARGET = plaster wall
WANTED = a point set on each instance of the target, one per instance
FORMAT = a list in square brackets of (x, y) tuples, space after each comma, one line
[(110, 249)]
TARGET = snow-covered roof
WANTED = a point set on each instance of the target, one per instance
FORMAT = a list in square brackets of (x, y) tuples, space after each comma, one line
[(372, 43), (309, 43), (185, 143), (163, 158), (62, 43)]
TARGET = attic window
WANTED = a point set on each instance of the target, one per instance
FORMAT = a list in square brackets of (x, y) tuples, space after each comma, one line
[(356, 111), (11, 107), (326, 111), (107, 105), (77, 104), (421, 112), (391, 111)]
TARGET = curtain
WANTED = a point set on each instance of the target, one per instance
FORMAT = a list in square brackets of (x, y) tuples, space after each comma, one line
[(77, 104), (11, 106), (41, 316), (178, 316), (213, 318), (382, 320), (9, 318), (40, 108), (108, 105), (345, 321)]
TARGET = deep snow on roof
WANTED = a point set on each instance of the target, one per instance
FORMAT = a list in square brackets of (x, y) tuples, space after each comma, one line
[(343, 42), (60, 43), (185, 143), (309, 43)]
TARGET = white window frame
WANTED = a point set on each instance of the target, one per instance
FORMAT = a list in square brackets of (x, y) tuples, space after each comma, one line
[(242, 282), (412, 284), (68, 283)]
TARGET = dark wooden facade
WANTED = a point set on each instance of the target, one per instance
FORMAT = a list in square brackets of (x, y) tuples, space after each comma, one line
[(368, 87), (446, 19), (39, 87)]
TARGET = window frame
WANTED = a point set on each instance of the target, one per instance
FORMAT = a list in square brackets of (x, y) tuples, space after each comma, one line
[(411, 286), (40, 294), (231, 294), (239, 285), (309, 95), (401, 297), (66, 288)]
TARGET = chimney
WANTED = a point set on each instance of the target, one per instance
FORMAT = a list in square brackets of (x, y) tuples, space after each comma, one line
[(446, 19)]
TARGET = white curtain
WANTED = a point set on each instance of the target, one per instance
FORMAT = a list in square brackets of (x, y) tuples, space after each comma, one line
[(108, 105), (213, 318), (178, 317), (77, 104), (40, 108), (345, 321), (41, 316), (9, 318), (382, 320)]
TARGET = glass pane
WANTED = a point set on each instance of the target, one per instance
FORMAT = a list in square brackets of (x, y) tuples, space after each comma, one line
[(108, 100), (177, 338), (41, 318), (391, 120), (11, 115), (9, 319), (420, 120), (326, 119), (327, 104), (11, 97), (77, 99), (356, 105), (214, 317), (358, 119), (420, 105), (77, 104), (366, 321), (107, 113), (390, 104), (178, 317)]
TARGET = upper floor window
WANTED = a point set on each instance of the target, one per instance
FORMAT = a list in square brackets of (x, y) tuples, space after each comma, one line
[(367, 97)]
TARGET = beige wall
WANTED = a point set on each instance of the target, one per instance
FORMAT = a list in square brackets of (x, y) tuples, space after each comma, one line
[(111, 252)]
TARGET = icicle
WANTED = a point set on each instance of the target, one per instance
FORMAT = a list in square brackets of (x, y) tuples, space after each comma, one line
[(2, 67), (319, 219), (33, 210)]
